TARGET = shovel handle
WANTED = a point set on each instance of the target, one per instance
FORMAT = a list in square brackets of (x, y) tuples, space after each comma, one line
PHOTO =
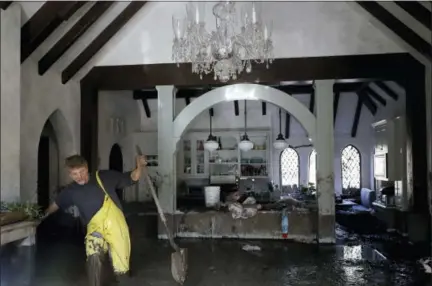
[(161, 213)]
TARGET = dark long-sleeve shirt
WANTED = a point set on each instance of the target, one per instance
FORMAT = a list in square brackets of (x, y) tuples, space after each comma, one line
[(89, 198)]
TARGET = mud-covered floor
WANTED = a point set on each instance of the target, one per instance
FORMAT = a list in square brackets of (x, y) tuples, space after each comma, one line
[(58, 260)]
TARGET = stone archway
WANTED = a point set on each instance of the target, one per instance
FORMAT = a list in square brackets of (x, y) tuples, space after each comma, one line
[(58, 128), (244, 92)]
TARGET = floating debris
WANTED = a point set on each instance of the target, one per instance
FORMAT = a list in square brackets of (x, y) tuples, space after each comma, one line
[(249, 247)]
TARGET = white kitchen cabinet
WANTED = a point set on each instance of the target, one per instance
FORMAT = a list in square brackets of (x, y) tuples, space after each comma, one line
[(193, 158)]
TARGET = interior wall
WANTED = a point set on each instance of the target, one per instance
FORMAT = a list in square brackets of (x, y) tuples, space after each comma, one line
[(224, 118)]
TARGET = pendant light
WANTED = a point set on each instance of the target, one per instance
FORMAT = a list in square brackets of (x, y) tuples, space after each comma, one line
[(245, 144), (280, 142), (211, 143)]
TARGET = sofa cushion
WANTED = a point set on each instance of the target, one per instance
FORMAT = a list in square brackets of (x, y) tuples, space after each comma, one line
[(367, 197)]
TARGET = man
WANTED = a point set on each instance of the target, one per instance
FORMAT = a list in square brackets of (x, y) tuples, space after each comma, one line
[(101, 212)]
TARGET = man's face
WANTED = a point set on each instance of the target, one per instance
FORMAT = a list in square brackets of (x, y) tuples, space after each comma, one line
[(80, 175)]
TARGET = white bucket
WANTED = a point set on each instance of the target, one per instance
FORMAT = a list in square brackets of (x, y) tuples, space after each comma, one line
[(212, 195)]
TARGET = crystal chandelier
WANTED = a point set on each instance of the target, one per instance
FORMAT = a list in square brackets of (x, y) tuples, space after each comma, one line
[(230, 49)]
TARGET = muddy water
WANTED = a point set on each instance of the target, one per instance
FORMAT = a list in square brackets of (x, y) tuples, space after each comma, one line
[(216, 262), (59, 260)]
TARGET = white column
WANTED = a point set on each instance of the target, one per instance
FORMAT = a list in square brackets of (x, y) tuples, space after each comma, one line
[(166, 151), (325, 153), (10, 102)]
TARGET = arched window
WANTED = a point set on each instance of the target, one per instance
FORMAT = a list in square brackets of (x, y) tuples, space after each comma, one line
[(289, 166), (351, 167), (312, 168)]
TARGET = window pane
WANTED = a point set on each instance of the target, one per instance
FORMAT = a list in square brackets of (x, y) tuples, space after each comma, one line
[(289, 164), (312, 168), (351, 169)]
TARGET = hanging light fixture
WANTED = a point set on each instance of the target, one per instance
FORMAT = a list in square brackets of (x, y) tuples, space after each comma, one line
[(245, 144), (280, 142), (211, 144)]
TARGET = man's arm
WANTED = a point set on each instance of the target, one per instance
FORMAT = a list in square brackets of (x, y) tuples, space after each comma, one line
[(63, 200), (127, 179)]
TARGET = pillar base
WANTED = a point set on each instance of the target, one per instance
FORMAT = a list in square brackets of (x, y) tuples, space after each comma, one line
[(326, 229)]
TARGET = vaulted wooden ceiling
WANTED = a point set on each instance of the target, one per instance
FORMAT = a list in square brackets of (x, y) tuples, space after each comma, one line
[(53, 13)]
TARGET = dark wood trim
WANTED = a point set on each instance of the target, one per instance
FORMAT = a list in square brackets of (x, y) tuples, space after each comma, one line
[(236, 108), (287, 125), (312, 102), (368, 102), (418, 11), (44, 22), (187, 100), (89, 125), (101, 40), (73, 34), (387, 90), (379, 67), (399, 28), (356, 117), (5, 4), (376, 96), (417, 138), (336, 95), (211, 112), (146, 107), (264, 108)]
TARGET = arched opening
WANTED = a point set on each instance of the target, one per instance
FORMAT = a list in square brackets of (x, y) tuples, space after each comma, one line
[(48, 165), (244, 92), (116, 164)]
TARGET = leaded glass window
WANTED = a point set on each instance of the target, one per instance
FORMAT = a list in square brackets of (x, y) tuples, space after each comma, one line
[(351, 167), (312, 168), (289, 165)]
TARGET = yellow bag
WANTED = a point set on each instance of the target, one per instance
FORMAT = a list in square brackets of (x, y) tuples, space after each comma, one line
[(108, 231)]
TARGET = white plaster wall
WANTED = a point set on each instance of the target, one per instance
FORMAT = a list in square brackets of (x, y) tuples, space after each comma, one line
[(117, 105), (10, 103), (300, 29)]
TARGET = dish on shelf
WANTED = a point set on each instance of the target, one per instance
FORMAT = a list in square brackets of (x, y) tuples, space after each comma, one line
[(256, 160)]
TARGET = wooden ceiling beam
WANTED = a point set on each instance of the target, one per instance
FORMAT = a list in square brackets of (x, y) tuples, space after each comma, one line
[(187, 100), (287, 125), (264, 108), (101, 40), (83, 24), (336, 95), (5, 4), (236, 108), (378, 67), (398, 27), (418, 11), (44, 22), (387, 90), (368, 102), (356, 117), (376, 96)]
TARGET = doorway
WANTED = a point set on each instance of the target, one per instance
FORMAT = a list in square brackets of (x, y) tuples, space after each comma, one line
[(47, 174), (116, 164)]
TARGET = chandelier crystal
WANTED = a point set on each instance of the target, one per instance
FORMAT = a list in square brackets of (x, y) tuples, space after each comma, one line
[(228, 50)]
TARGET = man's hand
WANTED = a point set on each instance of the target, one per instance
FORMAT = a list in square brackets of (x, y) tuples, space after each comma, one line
[(141, 161)]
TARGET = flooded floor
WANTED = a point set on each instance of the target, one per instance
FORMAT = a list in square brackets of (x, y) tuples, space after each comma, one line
[(59, 260)]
